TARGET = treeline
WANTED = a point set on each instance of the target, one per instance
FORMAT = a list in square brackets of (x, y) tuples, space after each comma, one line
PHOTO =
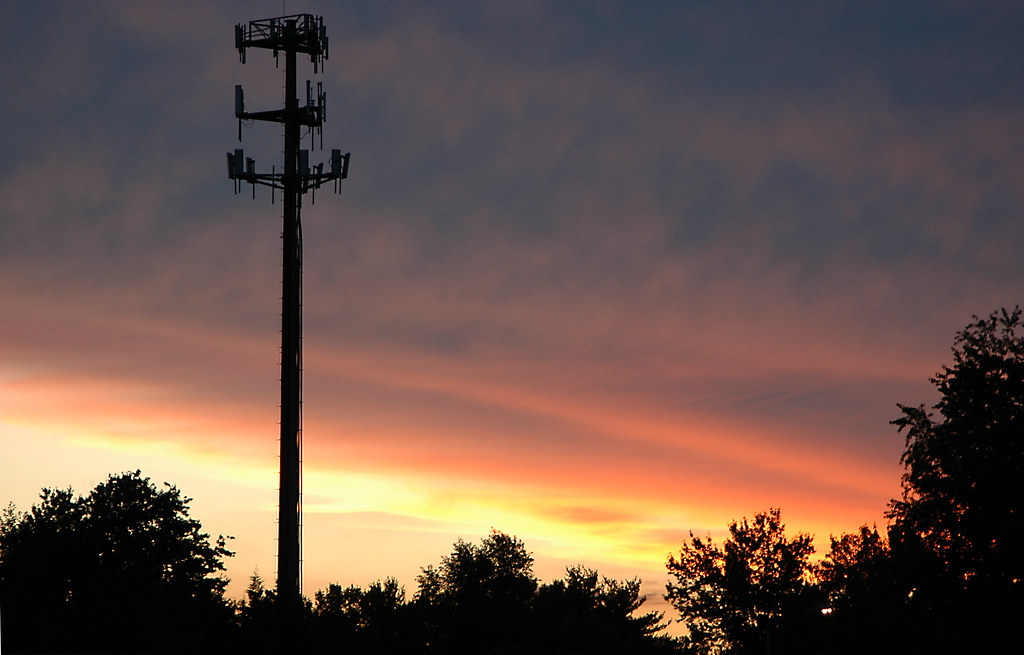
[(947, 573), (480, 599), (127, 569)]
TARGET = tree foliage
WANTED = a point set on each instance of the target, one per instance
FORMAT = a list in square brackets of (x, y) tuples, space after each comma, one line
[(857, 570), (479, 596), (739, 596), (865, 590), (959, 523), (588, 613), (354, 620), (124, 568), (484, 598), (961, 490)]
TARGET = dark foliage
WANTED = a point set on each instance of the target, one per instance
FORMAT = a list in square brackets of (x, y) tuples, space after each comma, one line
[(959, 527), (948, 576), (479, 596), (126, 569), (123, 569), (749, 595), (374, 620), (866, 595), (586, 613), (858, 570), (485, 599)]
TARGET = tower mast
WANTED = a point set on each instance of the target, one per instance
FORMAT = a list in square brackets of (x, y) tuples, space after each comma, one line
[(300, 33)]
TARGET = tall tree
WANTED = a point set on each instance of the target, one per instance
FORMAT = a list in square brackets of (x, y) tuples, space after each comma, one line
[(960, 521), (124, 568), (752, 592)]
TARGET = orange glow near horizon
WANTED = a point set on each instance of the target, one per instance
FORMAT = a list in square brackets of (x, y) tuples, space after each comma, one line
[(615, 513)]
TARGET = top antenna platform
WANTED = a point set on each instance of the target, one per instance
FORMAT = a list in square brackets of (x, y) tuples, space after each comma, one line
[(309, 36)]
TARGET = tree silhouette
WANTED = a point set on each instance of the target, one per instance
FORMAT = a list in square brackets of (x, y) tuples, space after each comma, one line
[(357, 621), (959, 527), (485, 599), (866, 592), (752, 592), (261, 620), (857, 569), (124, 568), (586, 613), (479, 597)]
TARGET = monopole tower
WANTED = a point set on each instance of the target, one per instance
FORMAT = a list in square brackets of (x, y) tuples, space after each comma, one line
[(290, 36)]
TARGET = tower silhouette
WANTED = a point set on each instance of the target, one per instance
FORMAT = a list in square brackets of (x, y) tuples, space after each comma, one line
[(291, 35)]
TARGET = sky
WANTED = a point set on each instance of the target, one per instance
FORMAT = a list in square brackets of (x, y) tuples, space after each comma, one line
[(603, 273)]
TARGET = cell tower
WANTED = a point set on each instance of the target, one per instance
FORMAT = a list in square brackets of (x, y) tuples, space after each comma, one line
[(291, 35)]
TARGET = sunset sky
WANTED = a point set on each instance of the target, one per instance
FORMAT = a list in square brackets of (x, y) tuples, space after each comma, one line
[(602, 273)]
